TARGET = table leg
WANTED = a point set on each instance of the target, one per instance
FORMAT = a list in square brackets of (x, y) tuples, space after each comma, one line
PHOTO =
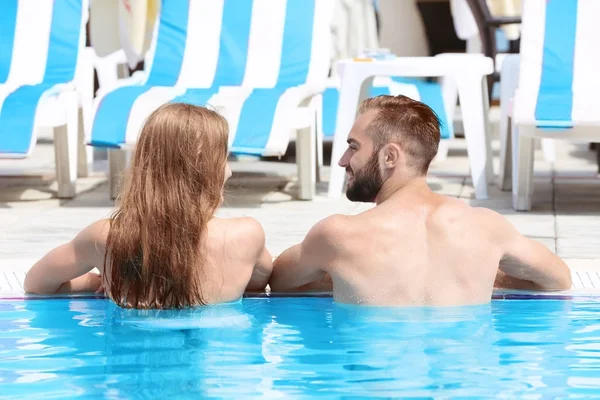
[(353, 89), (473, 107), (489, 166)]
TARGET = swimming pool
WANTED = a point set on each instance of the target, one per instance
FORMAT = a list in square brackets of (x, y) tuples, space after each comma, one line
[(297, 348)]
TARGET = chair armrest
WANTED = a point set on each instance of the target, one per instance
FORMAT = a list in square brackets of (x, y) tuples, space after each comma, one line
[(138, 78), (307, 92), (499, 21), (107, 68)]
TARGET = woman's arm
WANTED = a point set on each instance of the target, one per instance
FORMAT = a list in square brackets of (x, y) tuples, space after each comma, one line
[(262, 271), (66, 269), (249, 246)]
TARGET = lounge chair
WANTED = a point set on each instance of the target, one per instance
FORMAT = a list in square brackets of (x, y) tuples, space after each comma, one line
[(489, 38), (553, 85), (46, 81), (264, 63)]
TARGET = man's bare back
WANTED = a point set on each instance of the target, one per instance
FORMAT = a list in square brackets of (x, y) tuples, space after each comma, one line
[(428, 250), (415, 248), (415, 254), (422, 249)]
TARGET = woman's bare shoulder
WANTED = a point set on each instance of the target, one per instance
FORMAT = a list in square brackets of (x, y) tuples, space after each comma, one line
[(94, 236), (236, 227), (98, 230), (243, 233)]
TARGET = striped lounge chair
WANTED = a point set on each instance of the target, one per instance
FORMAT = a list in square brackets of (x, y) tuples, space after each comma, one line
[(557, 87), (263, 62), (46, 77)]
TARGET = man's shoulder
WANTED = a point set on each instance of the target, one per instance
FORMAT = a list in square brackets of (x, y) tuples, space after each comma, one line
[(330, 232), (451, 214), (457, 214), (453, 208), (327, 240), (485, 216), (332, 225)]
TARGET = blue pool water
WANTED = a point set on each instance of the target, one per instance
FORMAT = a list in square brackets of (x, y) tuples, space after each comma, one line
[(299, 348)]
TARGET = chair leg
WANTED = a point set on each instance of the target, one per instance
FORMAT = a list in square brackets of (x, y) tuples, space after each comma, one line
[(474, 104), (450, 97), (85, 86), (489, 164), (117, 161), (319, 163), (306, 160), (84, 153), (319, 136), (442, 153), (65, 152), (505, 172), (522, 170), (509, 81), (549, 150)]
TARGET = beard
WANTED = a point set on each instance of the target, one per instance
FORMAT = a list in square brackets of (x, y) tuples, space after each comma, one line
[(367, 182)]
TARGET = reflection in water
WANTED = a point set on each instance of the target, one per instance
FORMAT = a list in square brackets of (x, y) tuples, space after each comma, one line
[(205, 351), (298, 347), (55, 342), (384, 351), (417, 349)]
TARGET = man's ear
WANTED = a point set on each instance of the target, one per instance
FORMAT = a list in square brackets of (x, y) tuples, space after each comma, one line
[(392, 155)]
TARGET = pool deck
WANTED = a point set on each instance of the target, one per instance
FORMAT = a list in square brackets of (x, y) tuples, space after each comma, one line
[(565, 215)]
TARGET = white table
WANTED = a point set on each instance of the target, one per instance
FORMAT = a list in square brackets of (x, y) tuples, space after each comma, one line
[(466, 71)]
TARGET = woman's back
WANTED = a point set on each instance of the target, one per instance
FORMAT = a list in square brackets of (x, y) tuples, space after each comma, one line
[(236, 258), (163, 247)]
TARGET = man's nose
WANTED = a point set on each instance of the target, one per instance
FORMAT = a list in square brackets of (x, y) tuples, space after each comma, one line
[(343, 160)]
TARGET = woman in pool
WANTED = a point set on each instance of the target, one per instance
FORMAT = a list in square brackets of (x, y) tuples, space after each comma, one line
[(163, 247)]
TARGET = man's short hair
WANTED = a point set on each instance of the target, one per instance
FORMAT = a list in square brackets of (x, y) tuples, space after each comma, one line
[(409, 123)]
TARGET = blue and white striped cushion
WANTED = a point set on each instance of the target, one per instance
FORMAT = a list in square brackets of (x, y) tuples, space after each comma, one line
[(269, 46), (429, 93), (252, 43), (258, 119), (39, 48), (559, 81)]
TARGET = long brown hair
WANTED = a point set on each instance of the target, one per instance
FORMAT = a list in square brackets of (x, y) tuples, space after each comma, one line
[(171, 190)]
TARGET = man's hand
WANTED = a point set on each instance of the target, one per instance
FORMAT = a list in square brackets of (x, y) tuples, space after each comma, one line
[(528, 263), (325, 284), (504, 281)]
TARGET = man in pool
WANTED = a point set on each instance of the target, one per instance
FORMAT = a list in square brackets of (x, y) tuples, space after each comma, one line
[(415, 247)]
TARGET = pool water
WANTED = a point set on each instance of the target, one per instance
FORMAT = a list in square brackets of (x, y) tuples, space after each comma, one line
[(298, 348)]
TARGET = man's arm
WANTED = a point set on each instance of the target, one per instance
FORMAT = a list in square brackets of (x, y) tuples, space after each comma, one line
[(530, 261), (66, 269), (309, 261), (527, 264)]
